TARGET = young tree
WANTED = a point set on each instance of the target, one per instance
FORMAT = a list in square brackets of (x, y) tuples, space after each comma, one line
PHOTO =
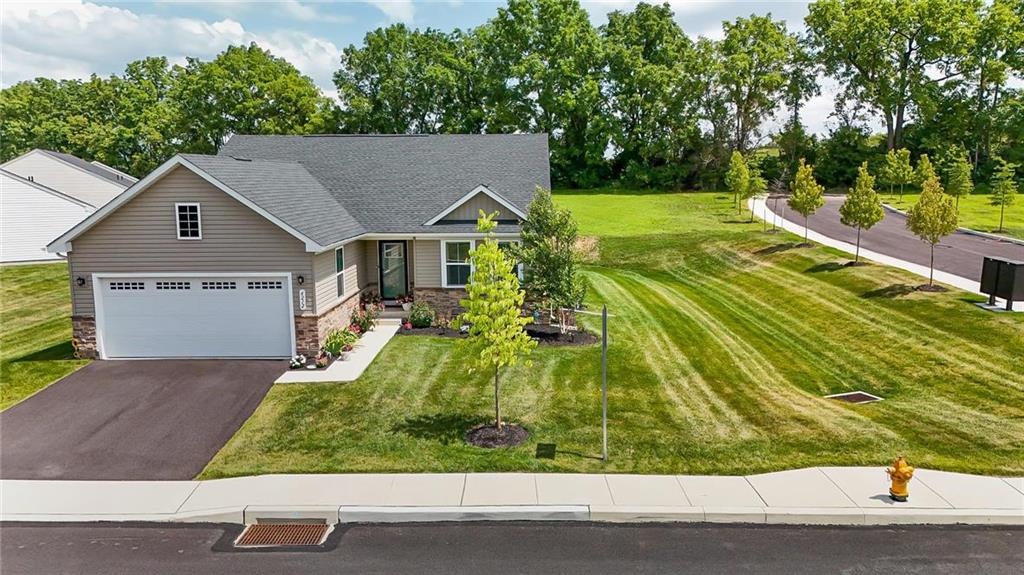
[(737, 179), (493, 305), (807, 194), (547, 250), (959, 177), (925, 171), (903, 170), (756, 186), (890, 169), (932, 218), (1004, 188), (862, 208)]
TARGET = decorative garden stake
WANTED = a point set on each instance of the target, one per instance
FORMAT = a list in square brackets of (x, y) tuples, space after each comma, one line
[(900, 474)]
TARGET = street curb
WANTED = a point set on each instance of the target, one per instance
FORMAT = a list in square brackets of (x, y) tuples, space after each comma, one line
[(382, 514)]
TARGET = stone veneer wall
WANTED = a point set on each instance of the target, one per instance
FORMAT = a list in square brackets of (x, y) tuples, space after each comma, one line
[(310, 331), (83, 336), (444, 301)]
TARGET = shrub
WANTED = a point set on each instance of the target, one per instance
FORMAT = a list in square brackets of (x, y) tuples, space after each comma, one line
[(421, 315)]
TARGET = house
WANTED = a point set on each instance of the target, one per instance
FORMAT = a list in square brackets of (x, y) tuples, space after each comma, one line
[(261, 250), (43, 193)]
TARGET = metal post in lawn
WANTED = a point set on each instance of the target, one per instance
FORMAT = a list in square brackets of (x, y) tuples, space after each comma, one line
[(604, 382)]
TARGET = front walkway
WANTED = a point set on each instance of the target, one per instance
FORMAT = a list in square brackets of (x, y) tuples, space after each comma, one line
[(366, 349), (825, 495)]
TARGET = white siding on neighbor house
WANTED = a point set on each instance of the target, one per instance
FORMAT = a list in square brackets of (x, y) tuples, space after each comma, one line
[(470, 209), (141, 236), (325, 272), (427, 263), (31, 218), (65, 178)]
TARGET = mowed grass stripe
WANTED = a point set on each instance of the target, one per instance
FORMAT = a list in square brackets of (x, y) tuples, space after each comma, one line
[(780, 407), (698, 406)]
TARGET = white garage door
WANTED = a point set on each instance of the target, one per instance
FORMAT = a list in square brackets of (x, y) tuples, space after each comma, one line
[(246, 316)]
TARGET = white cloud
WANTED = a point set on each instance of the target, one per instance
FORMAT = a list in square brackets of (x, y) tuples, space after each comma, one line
[(307, 12), (74, 39), (395, 10)]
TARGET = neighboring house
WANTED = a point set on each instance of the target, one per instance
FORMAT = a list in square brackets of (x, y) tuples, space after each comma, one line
[(261, 250), (43, 194), (31, 215)]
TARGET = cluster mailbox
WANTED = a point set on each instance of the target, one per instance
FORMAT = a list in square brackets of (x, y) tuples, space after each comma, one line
[(1004, 279)]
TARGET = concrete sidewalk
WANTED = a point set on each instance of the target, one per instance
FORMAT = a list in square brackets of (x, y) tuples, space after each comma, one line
[(760, 209), (363, 354), (825, 495)]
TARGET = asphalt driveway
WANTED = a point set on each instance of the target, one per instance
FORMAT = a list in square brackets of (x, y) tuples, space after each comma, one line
[(960, 253), (161, 419)]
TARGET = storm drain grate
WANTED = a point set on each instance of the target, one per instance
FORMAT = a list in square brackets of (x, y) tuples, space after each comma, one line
[(282, 534), (854, 397)]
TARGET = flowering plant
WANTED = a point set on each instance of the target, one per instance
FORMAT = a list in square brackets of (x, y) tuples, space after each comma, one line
[(297, 362)]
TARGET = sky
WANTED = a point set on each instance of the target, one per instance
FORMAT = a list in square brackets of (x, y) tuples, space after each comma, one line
[(73, 39)]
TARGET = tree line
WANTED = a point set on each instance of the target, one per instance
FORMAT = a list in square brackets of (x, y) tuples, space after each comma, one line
[(634, 100)]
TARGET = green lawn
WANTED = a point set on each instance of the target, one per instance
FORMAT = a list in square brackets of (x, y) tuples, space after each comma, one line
[(35, 338), (723, 342), (976, 212)]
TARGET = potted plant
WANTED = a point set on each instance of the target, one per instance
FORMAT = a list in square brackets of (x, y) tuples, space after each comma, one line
[(323, 359), (339, 342), (371, 300), (406, 302), (297, 362), (346, 352)]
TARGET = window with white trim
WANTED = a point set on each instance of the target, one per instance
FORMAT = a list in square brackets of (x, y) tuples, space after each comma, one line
[(455, 260), (188, 220), (339, 269), (517, 267)]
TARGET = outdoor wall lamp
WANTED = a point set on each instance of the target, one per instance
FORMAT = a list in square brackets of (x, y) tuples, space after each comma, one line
[(301, 280), (80, 281)]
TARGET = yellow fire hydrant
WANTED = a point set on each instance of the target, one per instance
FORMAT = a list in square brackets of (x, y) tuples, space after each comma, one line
[(900, 474)]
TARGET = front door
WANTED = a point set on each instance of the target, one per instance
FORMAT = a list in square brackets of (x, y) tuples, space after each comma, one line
[(393, 282)]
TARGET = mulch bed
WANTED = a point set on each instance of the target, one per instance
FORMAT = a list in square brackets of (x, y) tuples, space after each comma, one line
[(489, 437), (544, 334), (931, 288), (856, 264)]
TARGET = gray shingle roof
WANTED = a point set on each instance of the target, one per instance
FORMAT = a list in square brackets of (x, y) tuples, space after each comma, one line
[(392, 184), (285, 190), (100, 171)]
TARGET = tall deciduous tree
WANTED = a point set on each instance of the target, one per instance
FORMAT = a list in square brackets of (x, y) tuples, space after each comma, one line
[(959, 178), (547, 58), (248, 90), (755, 54), (932, 218), (737, 179), (652, 100), (493, 305), (862, 208), (1004, 189), (887, 51), (807, 194)]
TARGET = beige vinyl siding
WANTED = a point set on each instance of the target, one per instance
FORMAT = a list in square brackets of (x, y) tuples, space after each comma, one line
[(141, 236), (372, 269), (427, 263), (326, 284), (64, 178), (470, 209)]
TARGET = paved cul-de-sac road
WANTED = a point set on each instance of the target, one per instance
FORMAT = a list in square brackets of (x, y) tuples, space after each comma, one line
[(960, 253)]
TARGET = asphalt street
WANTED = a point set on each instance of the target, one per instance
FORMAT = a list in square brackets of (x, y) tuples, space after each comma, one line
[(960, 253), (492, 548)]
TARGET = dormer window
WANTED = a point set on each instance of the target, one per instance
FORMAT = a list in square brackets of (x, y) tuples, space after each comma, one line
[(188, 219)]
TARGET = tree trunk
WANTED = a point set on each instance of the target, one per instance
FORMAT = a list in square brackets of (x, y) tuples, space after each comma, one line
[(856, 256), (931, 266), (901, 192), (1002, 209), (497, 401), (805, 228)]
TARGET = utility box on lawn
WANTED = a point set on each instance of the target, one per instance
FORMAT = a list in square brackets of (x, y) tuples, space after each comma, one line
[(1004, 279)]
